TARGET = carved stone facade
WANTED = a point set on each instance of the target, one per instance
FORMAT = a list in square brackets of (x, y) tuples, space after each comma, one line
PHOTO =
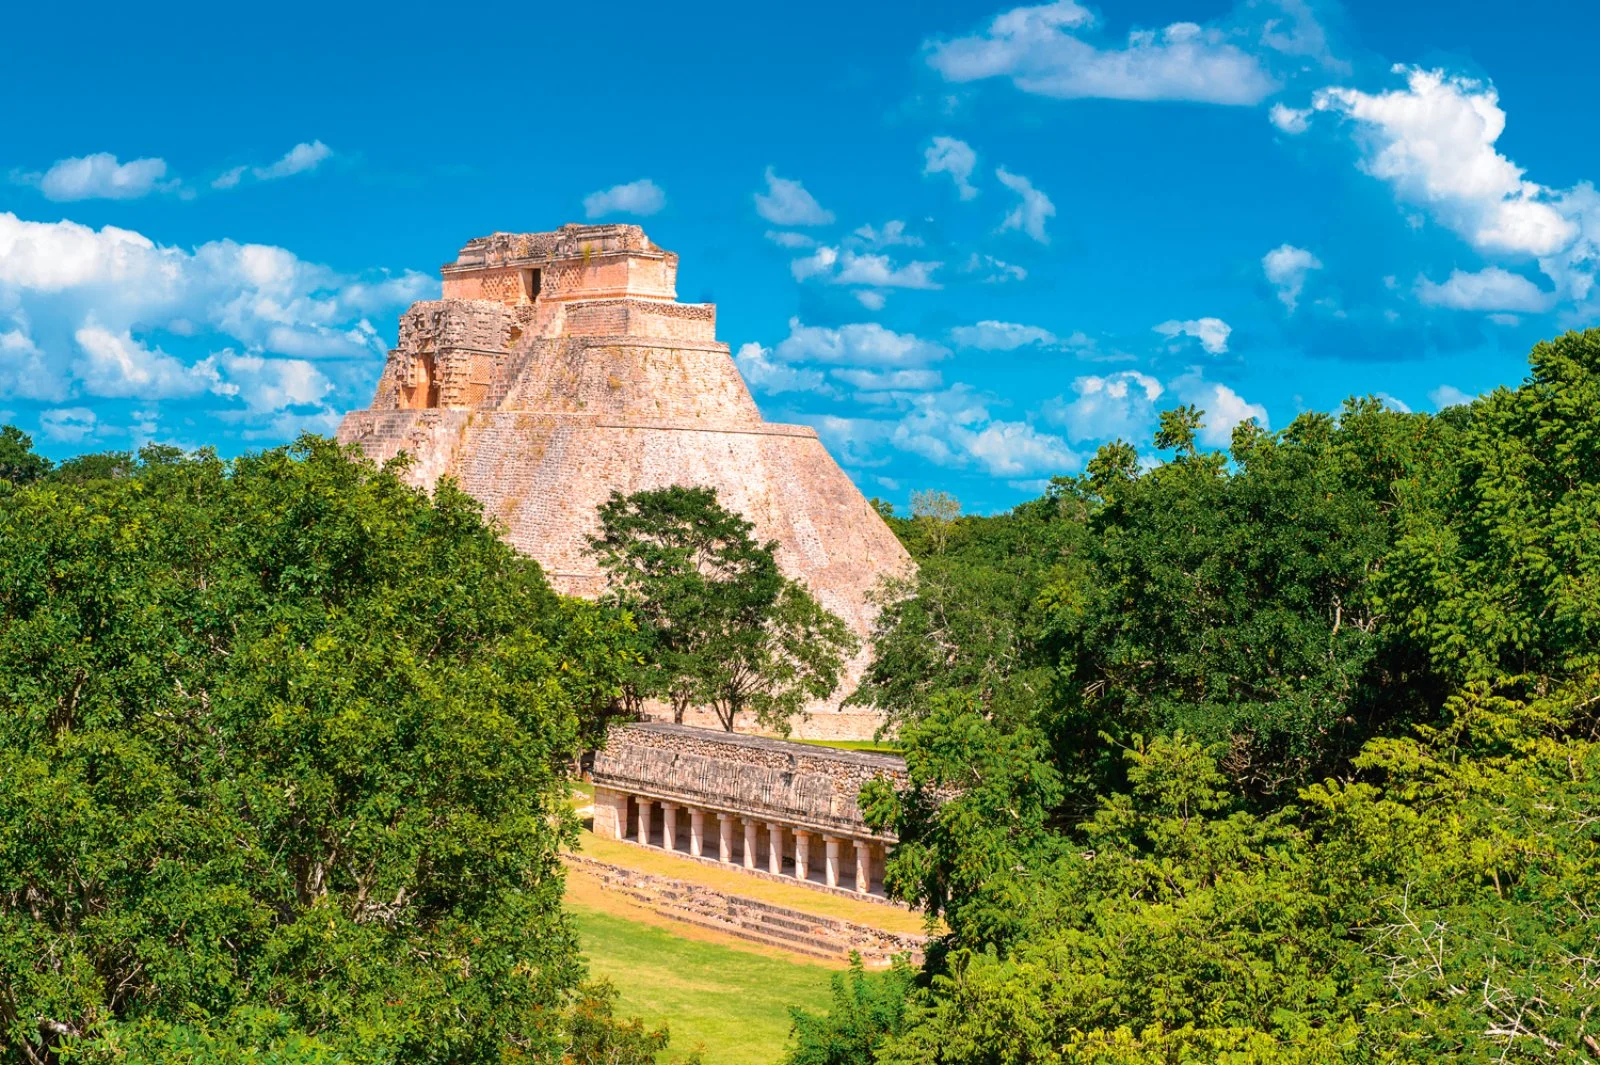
[(789, 809), (559, 367)]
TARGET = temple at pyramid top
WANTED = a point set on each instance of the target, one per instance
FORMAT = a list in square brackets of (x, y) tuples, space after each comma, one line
[(573, 263)]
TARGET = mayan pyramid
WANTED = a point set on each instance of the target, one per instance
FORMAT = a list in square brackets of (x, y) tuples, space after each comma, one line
[(559, 367)]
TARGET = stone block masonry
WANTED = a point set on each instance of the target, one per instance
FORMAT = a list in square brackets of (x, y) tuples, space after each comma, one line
[(787, 809), (559, 368)]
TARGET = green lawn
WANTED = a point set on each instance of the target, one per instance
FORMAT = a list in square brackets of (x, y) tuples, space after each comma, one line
[(886, 747), (733, 1003)]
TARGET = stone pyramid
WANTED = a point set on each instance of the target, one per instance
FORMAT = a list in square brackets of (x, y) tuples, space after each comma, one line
[(559, 367)]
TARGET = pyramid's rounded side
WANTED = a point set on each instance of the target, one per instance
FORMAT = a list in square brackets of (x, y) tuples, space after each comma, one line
[(544, 476)]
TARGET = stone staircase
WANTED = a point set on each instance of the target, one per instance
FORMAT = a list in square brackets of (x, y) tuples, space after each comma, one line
[(753, 920)]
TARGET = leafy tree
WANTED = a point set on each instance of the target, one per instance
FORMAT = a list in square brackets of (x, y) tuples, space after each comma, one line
[(935, 512), (285, 747), (867, 1009), (771, 662), (1498, 565), (682, 565), (19, 463), (725, 627)]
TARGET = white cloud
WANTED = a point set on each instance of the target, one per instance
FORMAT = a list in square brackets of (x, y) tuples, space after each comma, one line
[(787, 203), (100, 177), (68, 424), (947, 155), (1117, 405), (1040, 49), (871, 299), (765, 374), (1033, 208), (110, 313), (115, 365), (1000, 336), (643, 197), (272, 384), (229, 178), (1286, 267), (1489, 289), (1211, 332), (1434, 142), (297, 160), (880, 271), (25, 372), (890, 233), (860, 344), (788, 239), (849, 267), (1291, 120), (954, 428), (1449, 396), (1224, 408)]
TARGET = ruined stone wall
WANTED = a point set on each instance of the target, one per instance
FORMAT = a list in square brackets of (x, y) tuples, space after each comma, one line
[(795, 783)]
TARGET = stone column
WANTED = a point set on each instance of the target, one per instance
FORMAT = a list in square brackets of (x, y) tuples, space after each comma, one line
[(725, 837), (750, 827), (863, 866), (697, 830), (644, 821), (669, 826), (831, 869), (802, 854), (775, 848)]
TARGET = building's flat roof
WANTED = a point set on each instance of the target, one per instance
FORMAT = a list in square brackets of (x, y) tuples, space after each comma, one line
[(865, 759)]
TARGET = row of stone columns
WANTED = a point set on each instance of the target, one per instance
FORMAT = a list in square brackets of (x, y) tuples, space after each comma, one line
[(832, 845)]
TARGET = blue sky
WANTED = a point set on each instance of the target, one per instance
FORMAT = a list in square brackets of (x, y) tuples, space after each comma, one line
[(969, 242)]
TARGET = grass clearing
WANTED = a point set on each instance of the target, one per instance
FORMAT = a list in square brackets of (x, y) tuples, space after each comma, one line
[(730, 1002)]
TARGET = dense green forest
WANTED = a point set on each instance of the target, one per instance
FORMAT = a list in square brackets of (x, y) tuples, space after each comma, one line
[(1280, 755), (1286, 754)]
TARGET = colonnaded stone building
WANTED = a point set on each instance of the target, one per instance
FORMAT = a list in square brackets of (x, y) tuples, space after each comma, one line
[(559, 367), (785, 808)]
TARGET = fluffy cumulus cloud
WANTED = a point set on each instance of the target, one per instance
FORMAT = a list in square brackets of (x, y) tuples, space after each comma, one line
[(100, 177), (643, 197), (947, 155), (72, 425), (1212, 333), (1224, 408), (1434, 142), (863, 344), (955, 428), (1449, 396), (787, 203), (1048, 50), (1116, 405), (765, 374), (109, 313), (1489, 289), (1286, 267), (1001, 336), (1033, 207), (846, 266)]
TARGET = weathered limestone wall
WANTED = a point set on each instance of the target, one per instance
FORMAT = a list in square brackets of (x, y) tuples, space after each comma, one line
[(795, 783), (543, 395)]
